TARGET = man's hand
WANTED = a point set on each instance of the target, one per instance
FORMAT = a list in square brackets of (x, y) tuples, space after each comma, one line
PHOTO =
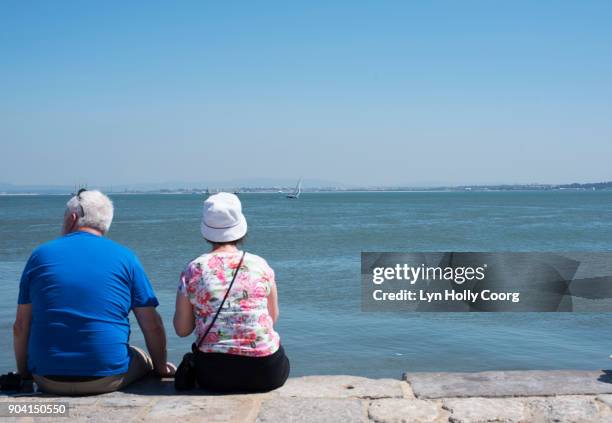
[(168, 371)]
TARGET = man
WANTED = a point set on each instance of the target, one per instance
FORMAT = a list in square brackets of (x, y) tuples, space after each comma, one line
[(72, 328)]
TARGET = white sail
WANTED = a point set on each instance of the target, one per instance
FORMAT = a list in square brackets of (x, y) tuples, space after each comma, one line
[(298, 190)]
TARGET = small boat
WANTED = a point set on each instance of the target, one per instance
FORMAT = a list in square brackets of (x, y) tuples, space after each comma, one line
[(298, 190)]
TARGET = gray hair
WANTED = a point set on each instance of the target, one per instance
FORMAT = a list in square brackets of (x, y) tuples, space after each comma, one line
[(93, 208)]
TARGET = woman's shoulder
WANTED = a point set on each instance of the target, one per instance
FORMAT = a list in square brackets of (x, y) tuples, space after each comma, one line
[(202, 262), (259, 266), (253, 259)]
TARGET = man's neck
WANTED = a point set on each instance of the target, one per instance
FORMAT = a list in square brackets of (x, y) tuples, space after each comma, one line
[(90, 230)]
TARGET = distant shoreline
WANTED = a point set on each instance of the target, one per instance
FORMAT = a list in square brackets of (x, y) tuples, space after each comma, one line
[(8, 189), (511, 188)]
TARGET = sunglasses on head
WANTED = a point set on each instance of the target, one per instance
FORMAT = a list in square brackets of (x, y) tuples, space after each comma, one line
[(78, 196)]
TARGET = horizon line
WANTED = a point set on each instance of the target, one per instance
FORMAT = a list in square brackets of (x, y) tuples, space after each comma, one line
[(32, 188)]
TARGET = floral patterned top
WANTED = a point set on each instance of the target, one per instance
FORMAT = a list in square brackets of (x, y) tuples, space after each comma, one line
[(244, 326)]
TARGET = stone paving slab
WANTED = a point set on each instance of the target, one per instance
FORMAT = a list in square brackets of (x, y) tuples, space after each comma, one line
[(214, 409), (510, 383), (310, 410), (400, 410), (569, 409), (341, 387), (469, 410)]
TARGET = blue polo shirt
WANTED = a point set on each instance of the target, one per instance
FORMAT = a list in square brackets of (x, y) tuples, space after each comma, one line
[(82, 288)]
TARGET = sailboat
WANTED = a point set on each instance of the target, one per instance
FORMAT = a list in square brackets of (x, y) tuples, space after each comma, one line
[(298, 190)]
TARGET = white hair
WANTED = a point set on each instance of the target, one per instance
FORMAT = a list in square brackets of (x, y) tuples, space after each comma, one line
[(93, 208)]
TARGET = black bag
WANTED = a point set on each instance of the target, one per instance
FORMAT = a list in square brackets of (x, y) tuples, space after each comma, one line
[(185, 376), (11, 382)]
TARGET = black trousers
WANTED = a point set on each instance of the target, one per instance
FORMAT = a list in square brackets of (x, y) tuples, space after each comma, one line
[(220, 372)]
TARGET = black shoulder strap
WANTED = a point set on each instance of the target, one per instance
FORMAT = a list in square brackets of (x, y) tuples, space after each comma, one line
[(222, 302)]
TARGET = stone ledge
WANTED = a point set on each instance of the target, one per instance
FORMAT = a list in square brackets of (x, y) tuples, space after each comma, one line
[(510, 383), (358, 399)]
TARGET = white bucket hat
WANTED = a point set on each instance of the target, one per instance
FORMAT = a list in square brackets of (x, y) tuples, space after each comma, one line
[(222, 218)]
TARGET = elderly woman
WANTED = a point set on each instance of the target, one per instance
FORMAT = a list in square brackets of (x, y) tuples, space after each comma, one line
[(229, 297)]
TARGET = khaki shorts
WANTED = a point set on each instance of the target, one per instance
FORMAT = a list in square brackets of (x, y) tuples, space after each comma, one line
[(140, 365)]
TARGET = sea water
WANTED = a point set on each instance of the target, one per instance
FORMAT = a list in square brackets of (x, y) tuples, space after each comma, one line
[(314, 246)]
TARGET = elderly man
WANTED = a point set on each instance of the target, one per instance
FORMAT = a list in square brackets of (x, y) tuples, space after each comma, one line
[(72, 328)]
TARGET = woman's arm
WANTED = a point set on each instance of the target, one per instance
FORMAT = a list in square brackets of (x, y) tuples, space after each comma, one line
[(273, 302), (184, 319)]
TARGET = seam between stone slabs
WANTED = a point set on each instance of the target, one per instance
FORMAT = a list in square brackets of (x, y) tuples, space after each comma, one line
[(605, 404), (602, 407), (407, 391), (365, 410), (141, 416), (257, 407), (444, 414)]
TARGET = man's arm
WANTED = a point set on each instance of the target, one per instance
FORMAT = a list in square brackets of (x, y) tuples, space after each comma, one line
[(152, 327), (21, 335)]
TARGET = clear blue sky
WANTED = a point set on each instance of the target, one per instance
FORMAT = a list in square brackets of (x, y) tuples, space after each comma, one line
[(377, 92)]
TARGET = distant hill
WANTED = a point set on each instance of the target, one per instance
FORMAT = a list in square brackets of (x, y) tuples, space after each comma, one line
[(227, 185), (594, 185), (273, 184)]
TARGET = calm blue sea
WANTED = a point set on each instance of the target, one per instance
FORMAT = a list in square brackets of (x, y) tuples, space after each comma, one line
[(314, 245)]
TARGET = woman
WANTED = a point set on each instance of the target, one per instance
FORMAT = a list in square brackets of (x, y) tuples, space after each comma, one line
[(240, 350)]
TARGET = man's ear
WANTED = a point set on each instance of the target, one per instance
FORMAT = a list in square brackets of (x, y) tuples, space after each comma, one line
[(70, 223), (74, 218)]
